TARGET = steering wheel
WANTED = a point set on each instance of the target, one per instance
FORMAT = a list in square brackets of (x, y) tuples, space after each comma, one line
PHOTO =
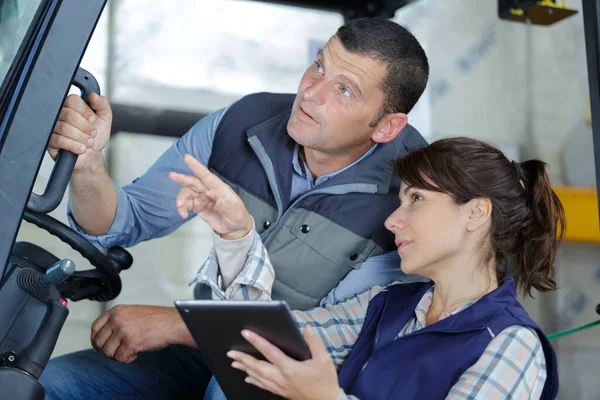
[(100, 284)]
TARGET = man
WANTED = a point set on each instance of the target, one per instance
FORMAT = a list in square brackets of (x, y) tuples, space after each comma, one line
[(314, 170)]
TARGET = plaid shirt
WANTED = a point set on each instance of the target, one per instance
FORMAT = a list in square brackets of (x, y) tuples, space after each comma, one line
[(512, 366)]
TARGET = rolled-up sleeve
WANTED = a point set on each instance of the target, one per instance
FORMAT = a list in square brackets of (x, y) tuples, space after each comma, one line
[(117, 228)]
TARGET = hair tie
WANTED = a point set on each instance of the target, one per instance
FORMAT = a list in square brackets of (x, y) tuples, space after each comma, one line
[(519, 173)]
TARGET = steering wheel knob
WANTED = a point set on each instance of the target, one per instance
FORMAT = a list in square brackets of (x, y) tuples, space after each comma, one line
[(119, 258)]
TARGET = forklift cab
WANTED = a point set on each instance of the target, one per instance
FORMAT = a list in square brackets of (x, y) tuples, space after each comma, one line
[(41, 45)]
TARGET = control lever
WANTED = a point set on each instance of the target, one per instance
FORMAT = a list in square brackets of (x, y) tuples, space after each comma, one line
[(59, 272)]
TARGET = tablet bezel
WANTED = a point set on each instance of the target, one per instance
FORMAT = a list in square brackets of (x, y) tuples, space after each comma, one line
[(226, 318)]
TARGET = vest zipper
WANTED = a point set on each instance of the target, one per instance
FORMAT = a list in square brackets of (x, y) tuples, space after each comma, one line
[(267, 165), (366, 363)]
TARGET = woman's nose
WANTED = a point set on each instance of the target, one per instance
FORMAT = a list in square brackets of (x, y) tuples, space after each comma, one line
[(395, 221)]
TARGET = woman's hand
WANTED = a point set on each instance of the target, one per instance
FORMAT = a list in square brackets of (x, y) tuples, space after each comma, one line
[(314, 379), (212, 200)]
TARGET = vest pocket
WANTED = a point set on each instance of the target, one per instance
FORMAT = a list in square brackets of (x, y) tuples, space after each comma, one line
[(302, 275), (311, 255), (335, 243)]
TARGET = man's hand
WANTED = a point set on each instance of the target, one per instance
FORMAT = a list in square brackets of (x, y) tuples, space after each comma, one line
[(124, 331), (212, 200), (82, 130), (314, 379)]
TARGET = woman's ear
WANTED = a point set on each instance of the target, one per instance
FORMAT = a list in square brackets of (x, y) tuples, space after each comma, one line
[(389, 127), (480, 211)]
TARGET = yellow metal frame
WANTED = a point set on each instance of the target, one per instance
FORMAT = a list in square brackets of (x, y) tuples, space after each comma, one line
[(581, 212), (544, 3), (550, 3)]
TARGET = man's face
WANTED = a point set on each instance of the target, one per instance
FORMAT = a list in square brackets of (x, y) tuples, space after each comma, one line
[(338, 97)]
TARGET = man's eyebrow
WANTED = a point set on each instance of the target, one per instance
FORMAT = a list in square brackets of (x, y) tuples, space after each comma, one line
[(320, 54), (343, 78)]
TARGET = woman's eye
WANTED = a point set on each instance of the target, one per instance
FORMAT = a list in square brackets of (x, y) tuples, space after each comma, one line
[(416, 197)]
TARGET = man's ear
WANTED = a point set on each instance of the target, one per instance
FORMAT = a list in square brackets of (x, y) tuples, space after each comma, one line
[(389, 127), (479, 212)]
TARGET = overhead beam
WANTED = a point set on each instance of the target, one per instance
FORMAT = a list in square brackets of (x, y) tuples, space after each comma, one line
[(350, 9), (152, 121)]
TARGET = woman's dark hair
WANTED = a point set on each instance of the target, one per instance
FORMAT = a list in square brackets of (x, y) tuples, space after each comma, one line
[(528, 219)]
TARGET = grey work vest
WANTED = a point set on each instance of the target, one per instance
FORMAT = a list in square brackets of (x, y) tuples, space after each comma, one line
[(316, 240)]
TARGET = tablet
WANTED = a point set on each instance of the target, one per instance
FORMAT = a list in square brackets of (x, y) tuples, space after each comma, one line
[(216, 326)]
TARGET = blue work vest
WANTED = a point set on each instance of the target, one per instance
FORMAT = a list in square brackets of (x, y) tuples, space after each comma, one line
[(427, 363)]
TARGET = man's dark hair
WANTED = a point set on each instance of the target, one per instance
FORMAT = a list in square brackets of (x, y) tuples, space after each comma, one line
[(393, 45)]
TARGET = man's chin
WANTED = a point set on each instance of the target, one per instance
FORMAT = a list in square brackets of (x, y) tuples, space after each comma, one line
[(299, 131)]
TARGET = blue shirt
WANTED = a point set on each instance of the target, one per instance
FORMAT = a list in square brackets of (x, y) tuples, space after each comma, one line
[(146, 208)]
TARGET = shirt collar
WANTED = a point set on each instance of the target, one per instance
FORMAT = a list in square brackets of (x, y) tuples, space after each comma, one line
[(425, 303), (301, 167)]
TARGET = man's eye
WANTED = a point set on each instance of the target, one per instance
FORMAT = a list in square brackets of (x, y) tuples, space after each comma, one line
[(318, 67), (344, 90)]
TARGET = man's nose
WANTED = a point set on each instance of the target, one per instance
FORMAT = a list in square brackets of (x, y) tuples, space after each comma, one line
[(316, 92)]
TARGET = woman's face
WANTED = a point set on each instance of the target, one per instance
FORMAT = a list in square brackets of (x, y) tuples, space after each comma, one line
[(429, 228)]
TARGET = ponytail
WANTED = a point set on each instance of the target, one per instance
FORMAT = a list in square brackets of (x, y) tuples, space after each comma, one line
[(541, 232)]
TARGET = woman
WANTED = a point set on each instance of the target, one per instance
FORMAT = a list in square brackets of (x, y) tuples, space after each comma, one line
[(475, 224)]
